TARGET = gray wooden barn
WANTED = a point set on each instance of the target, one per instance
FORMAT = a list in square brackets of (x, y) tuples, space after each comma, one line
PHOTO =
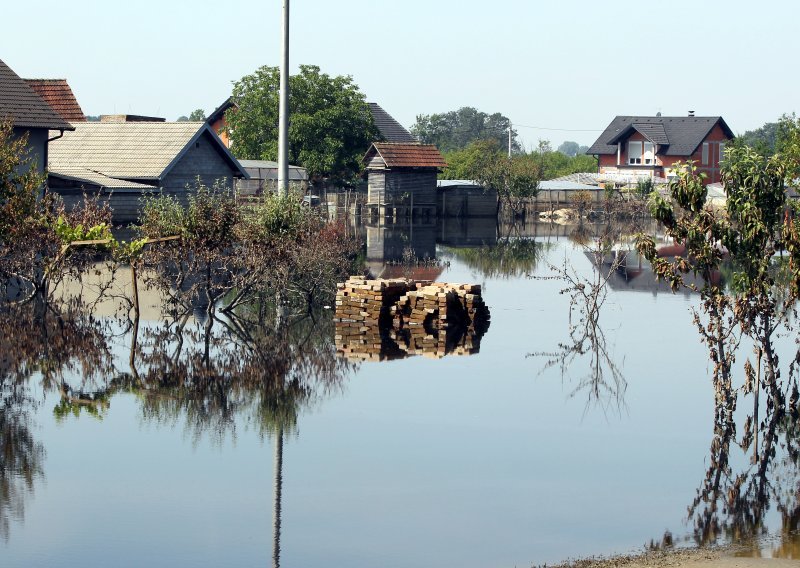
[(401, 178), (127, 160)]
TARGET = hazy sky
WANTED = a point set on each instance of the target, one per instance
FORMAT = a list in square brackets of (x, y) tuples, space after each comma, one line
[(553, 64)]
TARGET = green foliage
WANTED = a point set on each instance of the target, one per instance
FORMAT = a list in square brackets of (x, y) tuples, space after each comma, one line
[(330, 127), (456, 130), (557, 164), (762, 139), (508, 258), (20, 187), (461, 164), (197, 115), (572, 149), (276, 217), (129, 252), (68, 233), (644, 187), (515, 179), (162, 216)]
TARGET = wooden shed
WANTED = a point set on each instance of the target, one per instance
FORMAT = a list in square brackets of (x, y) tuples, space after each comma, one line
[(401, 178), (123, 161), (463, 198)]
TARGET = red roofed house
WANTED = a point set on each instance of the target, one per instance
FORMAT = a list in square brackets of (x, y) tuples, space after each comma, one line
[(651, 145), (58, 94), (29, 116), (401, 177)]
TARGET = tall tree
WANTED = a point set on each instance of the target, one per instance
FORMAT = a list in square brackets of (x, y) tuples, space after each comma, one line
[(330, 123), (455, 130)]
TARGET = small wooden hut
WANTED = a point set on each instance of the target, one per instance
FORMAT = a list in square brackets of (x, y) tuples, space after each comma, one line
[(401, 178)]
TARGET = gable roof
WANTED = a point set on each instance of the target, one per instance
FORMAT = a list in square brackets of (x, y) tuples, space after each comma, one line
[(132, 150), (390, 130), (219, 112), (677, 135), (23, 106), (58, 94), (397, 155)]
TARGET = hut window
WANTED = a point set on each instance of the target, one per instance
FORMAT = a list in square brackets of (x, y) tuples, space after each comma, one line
[(721, 151), (197, 144), (705, 153)]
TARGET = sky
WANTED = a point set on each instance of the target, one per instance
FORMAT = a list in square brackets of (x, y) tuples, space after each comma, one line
[(564, 67)]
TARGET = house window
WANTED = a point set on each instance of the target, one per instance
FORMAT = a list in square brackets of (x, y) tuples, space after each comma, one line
[(649, 156), (721, 151), (704, 160), (634, 153)]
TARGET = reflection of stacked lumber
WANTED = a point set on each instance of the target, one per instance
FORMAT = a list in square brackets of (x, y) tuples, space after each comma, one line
[(380, 320)]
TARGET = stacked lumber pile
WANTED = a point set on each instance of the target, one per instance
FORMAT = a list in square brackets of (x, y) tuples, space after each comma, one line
[(439, 305), (378, 320)]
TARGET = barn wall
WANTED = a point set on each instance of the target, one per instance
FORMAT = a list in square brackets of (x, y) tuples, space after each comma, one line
[(407, 186), (201, 161), (466, 202)]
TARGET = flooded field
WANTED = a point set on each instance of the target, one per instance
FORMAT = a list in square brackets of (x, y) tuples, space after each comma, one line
[(230, 444)]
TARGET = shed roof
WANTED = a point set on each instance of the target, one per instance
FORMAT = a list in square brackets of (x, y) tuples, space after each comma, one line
[(58, 94), (681, 135), (83, 175), (268, 170), (132, 150), (389, 128), (20, 103), (400, 155)]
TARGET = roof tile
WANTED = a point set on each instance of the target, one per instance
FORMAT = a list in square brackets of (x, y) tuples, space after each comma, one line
[(23, 106), (58, 94), (399, 155)]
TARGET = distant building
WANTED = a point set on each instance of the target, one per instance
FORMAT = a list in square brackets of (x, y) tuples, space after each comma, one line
[(263, 177), (29, 115), (130, 118), (219, 124), (125, 160), (401, 177), (464, 198), (651, 145), (390, 130)]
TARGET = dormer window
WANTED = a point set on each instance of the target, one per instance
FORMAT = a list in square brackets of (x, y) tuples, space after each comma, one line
[(641, 153)]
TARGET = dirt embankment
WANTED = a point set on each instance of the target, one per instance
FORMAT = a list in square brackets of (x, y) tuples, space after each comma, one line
[(681, 558)]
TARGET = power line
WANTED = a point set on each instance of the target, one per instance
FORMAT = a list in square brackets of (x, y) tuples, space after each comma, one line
[(560, 129)]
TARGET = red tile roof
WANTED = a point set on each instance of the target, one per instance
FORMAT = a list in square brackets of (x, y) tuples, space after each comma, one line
[(403, 155), (25, 109), (57, 93)]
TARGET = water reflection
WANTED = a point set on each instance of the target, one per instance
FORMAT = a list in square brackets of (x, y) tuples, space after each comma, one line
[(586, 347), (749, 476), (21, 457)]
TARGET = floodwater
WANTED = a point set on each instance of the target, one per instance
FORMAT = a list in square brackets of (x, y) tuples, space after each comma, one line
[(517, 451)]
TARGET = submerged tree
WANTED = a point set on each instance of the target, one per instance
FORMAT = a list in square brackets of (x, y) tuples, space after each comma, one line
[(756, 236)]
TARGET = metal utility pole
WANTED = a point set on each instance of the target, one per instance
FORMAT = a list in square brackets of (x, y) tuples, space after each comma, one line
[(283, 113), (509, 139)]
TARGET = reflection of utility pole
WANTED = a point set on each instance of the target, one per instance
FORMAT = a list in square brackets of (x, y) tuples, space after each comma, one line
[(276, 511), (283, 119)]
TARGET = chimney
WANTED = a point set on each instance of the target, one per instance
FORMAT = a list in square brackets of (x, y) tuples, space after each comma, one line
[(691, 113)]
